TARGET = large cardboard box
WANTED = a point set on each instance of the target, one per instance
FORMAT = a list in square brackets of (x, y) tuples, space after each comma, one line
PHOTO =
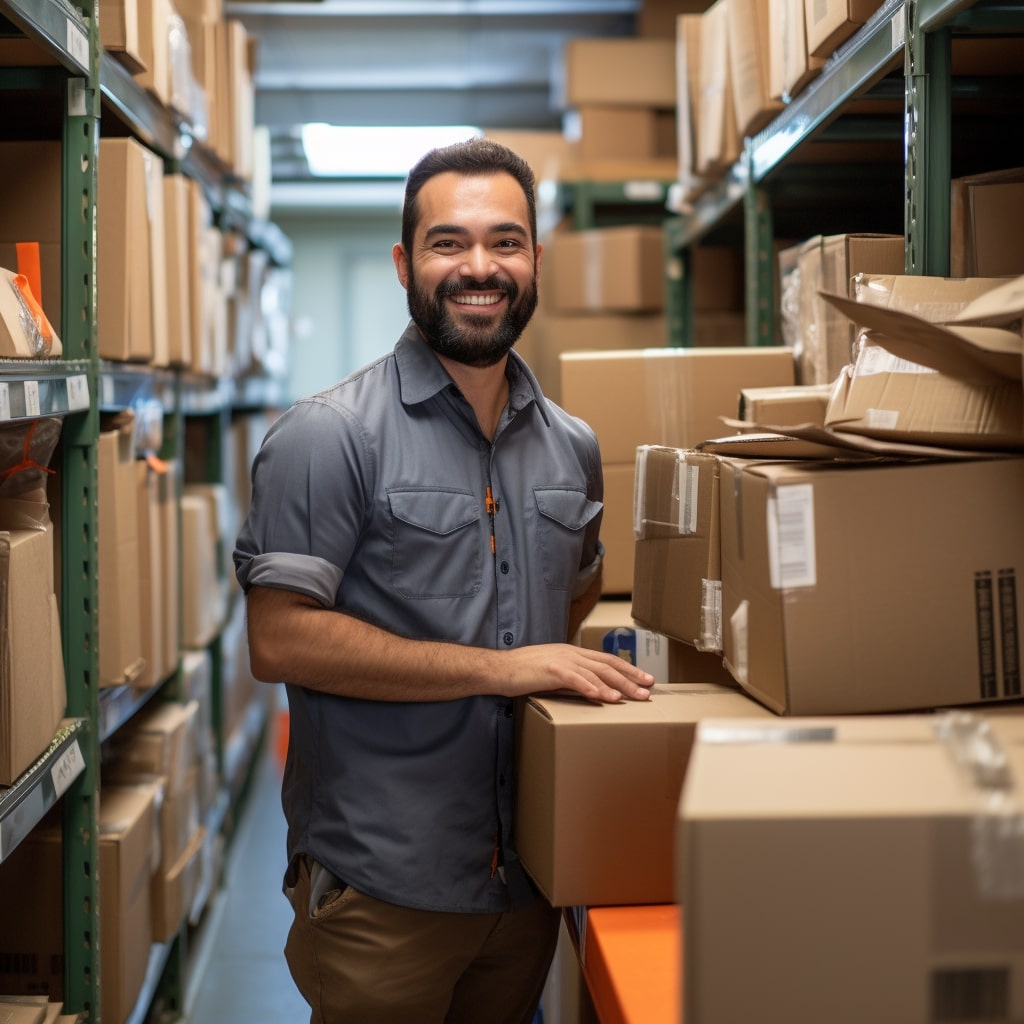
[(606, 131), (119, 33), (32, 693), (986, 213), (688, 54), (547, 152), (617, 529), (124, 299), (871, 588), (599, 787), (620, 72), (120, 605), (822, 853), (667, 396), (677, 579), (941, 399), (618, 269), (785, 406)]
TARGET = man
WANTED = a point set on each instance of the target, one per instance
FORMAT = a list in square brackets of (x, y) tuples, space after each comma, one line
[(418, 536)]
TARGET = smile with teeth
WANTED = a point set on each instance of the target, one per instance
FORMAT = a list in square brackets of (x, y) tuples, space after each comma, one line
[(477, 299)]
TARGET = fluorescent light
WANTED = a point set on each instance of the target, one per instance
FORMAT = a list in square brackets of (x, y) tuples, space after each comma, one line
[(335, 151)]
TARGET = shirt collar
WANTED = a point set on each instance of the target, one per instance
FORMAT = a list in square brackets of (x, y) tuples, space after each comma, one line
[(421, 375)]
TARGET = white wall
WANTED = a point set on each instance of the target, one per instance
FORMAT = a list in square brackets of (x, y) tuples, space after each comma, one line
[(347, 305)]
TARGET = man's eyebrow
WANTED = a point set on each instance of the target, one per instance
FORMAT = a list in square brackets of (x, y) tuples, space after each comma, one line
[(507, 227)]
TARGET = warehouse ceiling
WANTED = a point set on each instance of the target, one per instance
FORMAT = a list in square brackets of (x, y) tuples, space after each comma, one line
[(488, 63)]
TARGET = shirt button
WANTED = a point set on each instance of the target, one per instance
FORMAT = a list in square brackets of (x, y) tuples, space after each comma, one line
[(508, 639), (505, 567)]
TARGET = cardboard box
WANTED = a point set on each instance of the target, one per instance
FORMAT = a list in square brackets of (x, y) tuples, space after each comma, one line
[(154, 645), (173, 888), (830, 608), (748, 64), (785, 406), (719, 142), (831, 22), (203, 590), (31, 930), (677, 579), (599, 787), (119, 33), (825, 339), (790, 67), (32, 691), (986, 217), (611, 627), (688, 98), (161, 740), (547, 152), (619, 269), (606, 131), (949, 401), (124, 276), (30, 191), (620, 72), (554, 333), (853, 848), (667, 396), (617, 529), (120, 624)]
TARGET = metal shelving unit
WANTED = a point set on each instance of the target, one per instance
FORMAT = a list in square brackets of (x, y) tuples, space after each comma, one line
[(85, 86), (912, 34)]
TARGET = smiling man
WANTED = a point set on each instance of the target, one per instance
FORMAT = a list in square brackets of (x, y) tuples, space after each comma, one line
[(423, 537)]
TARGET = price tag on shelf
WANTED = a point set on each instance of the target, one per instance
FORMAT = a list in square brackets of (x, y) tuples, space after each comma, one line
[(31, 398), (68, 767), (78, 392), (5, 401)]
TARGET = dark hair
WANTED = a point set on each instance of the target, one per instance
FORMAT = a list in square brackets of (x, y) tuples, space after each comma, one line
[(472, 157)]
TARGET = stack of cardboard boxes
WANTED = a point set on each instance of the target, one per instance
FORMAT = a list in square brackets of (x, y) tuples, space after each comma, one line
[(851, 556)]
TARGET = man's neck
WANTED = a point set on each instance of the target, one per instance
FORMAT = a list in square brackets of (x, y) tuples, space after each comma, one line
[(485, 388)]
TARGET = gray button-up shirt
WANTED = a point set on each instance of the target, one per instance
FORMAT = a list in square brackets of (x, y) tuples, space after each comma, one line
[(371, 498)]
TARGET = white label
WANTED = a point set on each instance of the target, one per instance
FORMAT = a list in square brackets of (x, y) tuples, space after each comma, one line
[(882, 419), (791, 537), (688, 495), (875, 359), (643, 190), (652, 654), (78, 43), (740, 654), (78, 392), (5, 401), (31, 398), (68, 767)]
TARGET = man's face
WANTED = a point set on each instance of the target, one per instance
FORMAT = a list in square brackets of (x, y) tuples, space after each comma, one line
[(471, 277)]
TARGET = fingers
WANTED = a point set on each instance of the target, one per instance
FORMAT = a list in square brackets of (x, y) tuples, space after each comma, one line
[(608, 679)]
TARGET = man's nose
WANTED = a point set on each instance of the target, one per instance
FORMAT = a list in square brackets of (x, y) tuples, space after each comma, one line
[(478, 263)]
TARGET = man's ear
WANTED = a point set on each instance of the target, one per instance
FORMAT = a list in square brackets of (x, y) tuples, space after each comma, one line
[(401, 264)]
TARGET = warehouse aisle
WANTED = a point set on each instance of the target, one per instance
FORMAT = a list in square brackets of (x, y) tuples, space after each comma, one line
[(241, 972)]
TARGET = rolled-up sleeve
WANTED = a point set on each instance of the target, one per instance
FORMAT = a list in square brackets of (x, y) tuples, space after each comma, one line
[(309, 488)]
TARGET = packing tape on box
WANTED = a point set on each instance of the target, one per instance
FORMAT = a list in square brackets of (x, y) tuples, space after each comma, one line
[(683, 505), (997, 831)]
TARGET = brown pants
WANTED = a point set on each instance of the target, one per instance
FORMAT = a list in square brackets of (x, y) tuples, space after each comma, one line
[(357, 960)]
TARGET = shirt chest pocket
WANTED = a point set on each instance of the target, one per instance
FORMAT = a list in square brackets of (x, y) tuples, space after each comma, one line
[(437, 550), (564, 515)]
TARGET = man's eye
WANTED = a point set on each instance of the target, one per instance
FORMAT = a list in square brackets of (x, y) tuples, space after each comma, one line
[(509, 243)]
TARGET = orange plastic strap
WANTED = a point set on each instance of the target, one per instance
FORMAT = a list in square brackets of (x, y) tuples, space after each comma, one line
[(156, 464), (28, 264), (42, 324), (26, 463)]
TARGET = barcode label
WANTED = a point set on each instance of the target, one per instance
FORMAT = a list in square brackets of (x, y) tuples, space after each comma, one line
[(32, 407), (791, 555), (971, 994)]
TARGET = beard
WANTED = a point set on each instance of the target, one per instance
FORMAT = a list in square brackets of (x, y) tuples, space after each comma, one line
[(476, 340)]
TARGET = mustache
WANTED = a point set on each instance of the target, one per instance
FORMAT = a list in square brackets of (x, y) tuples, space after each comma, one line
[(490, 284)]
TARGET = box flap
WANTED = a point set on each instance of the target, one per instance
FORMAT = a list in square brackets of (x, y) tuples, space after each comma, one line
[(1002, 305), (965, 352)]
